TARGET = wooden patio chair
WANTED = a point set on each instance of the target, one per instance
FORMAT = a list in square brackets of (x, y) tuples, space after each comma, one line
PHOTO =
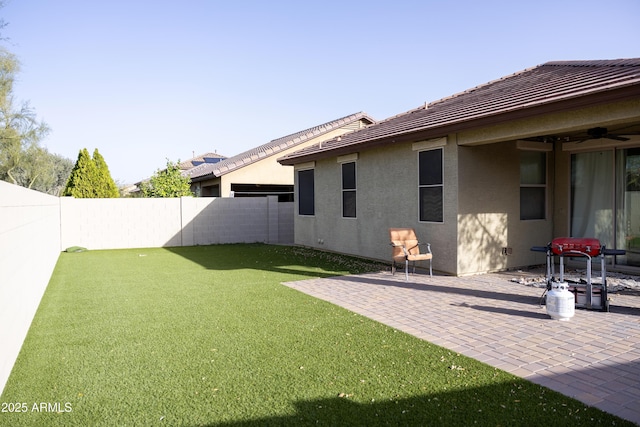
[(406, 247)]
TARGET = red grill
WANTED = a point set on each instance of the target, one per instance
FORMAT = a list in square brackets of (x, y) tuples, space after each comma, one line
[(576, 245), (594, 294)]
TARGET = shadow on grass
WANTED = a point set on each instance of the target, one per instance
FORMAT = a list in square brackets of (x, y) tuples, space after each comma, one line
[(275, 258), (500, 404)]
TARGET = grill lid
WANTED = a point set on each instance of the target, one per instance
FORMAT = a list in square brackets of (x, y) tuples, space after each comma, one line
[(582, 245)]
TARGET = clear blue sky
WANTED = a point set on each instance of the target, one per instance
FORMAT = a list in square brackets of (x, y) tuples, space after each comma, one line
[(145, 80)]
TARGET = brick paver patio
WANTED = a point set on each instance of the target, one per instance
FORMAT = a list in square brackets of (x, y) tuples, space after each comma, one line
[(594, 357)]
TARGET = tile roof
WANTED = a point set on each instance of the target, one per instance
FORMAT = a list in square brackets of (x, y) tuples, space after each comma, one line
[(516, 95), (204, 158), (273, 147)]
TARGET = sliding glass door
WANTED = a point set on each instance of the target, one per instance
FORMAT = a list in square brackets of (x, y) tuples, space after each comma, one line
[(605, 200), (628, 205), (592, 195)]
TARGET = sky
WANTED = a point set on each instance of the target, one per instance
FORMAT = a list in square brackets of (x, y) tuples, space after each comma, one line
[(144, 81)]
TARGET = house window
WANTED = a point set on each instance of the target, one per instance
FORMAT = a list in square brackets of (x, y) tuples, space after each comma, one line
[(211, 190), (533, 185), (306, 194), (349, 190), (431, 185)]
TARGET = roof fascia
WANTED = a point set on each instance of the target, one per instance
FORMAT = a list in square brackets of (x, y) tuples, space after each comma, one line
[(245, 159), (206, 177), (598, 98)]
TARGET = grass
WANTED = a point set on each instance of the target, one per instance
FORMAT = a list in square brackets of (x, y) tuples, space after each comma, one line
[(209, 336)]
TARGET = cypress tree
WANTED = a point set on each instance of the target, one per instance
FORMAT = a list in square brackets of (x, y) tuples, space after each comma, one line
[(80, 184), (105, 186), (90, 178)]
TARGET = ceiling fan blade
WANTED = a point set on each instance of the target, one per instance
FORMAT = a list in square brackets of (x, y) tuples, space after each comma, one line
[(616, 137)]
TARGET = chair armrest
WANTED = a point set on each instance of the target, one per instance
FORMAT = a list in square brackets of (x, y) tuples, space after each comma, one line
[(404, 249)]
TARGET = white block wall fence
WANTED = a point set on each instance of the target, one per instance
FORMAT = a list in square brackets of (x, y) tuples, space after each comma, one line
[(36, 227), (29, 249)]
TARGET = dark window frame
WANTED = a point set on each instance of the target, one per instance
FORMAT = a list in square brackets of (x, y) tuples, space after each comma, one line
[(349, 189), (431, 185), (533, 195), (306, 192)]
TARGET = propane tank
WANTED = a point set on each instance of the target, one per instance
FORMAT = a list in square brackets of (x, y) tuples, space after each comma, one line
[(560, 302)]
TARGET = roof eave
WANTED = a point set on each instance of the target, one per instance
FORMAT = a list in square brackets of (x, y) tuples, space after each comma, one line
[(284, 143), (617, 94), (206, 177)]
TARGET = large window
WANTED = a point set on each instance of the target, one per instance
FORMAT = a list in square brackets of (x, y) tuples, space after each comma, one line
[(349, 190), (533, 185), (605, 200), (431, 185), (306, 194)]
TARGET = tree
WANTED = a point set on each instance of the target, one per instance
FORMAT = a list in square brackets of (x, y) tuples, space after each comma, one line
[(60, 171), (90, 178), (167, 183), (106, 186), (22, 160), (2, 21), (42, 171), (21, 157), (80, 184)]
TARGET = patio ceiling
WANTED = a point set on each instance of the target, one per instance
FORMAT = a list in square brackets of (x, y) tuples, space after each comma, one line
[(621, 133)]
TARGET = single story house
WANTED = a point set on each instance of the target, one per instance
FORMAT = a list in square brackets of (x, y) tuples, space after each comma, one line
[(257, 172), (484, 175)]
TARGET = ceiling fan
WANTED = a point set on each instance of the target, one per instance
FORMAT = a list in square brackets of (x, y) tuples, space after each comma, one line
[(591, 133), (600, 133)]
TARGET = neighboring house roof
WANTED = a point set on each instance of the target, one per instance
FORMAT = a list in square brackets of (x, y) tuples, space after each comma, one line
[(187, 165), (204, 158), (275, 146), (549, 87)]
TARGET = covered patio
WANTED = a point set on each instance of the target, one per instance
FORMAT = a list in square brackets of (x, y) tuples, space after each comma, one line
[(594, 357)]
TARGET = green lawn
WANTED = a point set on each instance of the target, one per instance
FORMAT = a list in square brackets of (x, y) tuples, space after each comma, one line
[(209, 336)]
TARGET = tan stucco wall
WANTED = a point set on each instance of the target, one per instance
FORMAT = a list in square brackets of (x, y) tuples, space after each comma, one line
[(481, 208), (387, 196), (489, 215), (482, 195)]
